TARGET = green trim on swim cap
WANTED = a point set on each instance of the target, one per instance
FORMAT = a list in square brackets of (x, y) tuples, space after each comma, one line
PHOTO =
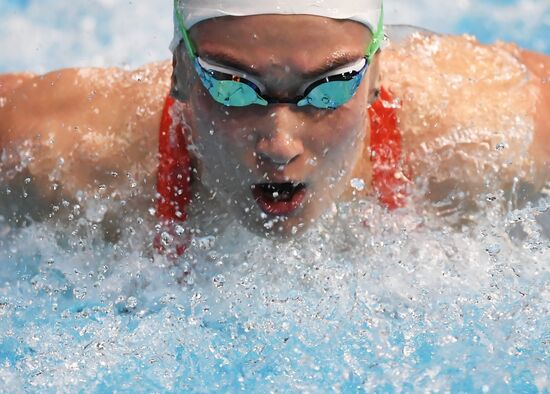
[(186, 39), (378, 35)]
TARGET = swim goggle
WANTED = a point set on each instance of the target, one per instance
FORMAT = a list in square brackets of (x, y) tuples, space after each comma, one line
[(236, 89)]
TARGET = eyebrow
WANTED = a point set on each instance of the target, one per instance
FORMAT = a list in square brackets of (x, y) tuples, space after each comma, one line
[(336, 60), (228, 60)]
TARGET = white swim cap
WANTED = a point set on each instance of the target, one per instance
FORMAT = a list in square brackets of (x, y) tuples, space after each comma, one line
[(367, 12)]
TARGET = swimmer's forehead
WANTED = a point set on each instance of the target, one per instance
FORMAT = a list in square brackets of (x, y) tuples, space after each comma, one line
[(303, 43)]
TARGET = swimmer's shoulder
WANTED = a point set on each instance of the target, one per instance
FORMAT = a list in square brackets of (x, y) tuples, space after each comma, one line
[(82, 125), (539, 65), (448, 82), (84, 95), (459, 100)]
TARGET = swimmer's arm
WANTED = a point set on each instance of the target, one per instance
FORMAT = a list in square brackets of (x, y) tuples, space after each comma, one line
[(75, 129), (539, 65), (8, 87)]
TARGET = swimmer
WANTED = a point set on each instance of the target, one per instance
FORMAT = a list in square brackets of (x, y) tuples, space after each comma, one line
[(271, 112)]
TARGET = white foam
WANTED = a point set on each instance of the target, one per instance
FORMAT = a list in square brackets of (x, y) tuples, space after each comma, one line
[(347, 303)]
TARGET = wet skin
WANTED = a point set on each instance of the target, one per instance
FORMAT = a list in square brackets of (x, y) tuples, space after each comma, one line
[(242, 147), (94, 132)]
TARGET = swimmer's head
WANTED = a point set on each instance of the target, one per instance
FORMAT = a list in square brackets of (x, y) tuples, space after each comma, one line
[(277, 165)]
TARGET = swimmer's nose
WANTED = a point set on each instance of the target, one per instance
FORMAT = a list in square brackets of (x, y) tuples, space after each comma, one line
[(282, 145), (279, 151)]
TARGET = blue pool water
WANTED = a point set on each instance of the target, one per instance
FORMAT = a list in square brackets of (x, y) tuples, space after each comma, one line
[(409, 303), (401, 307)]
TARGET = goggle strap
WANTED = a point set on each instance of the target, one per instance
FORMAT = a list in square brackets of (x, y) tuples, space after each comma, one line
[(188, 44), (378, 36)]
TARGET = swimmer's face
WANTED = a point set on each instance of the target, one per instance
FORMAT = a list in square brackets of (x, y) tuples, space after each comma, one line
[(277, 167)]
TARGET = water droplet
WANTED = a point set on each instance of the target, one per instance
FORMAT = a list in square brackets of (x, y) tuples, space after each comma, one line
[(79, 294), (95, 211), (219, 280), (131, 303), (493, 250), (358, 184), (196, 298), (312, 162), (166, 238)]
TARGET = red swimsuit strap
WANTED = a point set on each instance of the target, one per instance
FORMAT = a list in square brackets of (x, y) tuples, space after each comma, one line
[(174, 175), (388, 178), (174, 171)]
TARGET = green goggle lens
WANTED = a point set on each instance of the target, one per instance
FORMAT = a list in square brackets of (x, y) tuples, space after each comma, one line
[(333, 94), (228, 92)]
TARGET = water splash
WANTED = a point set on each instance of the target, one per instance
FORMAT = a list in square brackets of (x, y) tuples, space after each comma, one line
[(365, 301), (398, 302)]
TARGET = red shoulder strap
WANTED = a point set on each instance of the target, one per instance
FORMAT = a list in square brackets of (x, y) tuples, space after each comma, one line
[(174, 176), (388, 180)]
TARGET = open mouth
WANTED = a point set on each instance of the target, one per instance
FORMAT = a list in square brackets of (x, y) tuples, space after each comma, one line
[(279, 199)]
